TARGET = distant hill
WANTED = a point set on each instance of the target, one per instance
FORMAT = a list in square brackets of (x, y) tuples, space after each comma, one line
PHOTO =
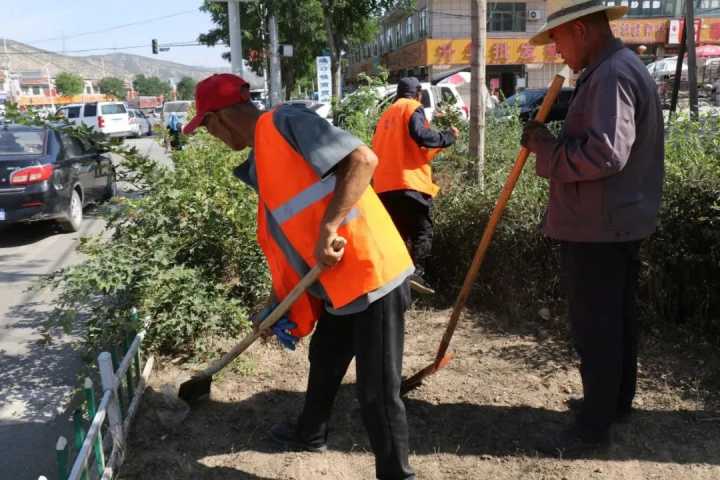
[(122, 65)]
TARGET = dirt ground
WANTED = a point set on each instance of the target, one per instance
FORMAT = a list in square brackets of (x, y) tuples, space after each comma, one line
[(479, 418)]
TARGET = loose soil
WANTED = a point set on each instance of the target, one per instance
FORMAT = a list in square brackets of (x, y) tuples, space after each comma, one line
[(479, 418)]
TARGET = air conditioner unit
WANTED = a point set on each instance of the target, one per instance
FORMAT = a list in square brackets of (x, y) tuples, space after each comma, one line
[(534, 15)]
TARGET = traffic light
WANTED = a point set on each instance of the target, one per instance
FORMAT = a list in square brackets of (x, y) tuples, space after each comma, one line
[(155, 48)]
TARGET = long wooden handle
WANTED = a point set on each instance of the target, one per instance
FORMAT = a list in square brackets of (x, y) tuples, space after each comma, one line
[(279, 311), (491, 226)]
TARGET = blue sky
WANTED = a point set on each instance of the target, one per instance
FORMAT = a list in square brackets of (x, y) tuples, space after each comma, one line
[(36, 22)]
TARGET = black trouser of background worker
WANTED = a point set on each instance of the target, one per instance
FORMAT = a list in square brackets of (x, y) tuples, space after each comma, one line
[(375, 338), (411, 213), (601, 284)]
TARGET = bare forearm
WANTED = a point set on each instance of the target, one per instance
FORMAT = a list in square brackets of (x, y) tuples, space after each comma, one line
[(353, 177)]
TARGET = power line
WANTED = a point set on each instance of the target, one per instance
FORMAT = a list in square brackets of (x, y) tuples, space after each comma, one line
[(117, 27), (190, 43)]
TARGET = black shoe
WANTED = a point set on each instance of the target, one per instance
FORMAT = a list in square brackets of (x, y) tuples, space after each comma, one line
[(575, 443), (286, 434), (622, 414), (418, 283)]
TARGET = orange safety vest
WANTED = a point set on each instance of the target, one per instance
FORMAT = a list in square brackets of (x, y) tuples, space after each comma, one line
[(296, 198), (404, 165)]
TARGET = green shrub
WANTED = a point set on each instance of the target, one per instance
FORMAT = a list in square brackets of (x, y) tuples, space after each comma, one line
[(184, 253), (681, 262), (682, 277), (520, 268)]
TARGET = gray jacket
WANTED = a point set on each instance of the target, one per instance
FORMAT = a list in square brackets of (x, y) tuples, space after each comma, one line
[(606, 169)]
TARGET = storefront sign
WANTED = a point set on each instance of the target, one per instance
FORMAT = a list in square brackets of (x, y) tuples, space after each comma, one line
[(641, 31), (410, 56), (498, 51), (710, 30), (324, 78), (674, 32)]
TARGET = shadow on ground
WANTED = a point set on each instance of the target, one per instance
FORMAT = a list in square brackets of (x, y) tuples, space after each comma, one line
[(457, 428)]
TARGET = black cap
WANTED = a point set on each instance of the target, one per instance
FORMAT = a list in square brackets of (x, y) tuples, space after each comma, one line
[(408, 87)]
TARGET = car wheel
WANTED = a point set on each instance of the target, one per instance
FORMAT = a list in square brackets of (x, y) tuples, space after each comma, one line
[(74, 215), (111, 188)]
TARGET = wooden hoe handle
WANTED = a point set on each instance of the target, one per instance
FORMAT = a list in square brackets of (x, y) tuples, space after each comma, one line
[(279, 311), (491, 226)]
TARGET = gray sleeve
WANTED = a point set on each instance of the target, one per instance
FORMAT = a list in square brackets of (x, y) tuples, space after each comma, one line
[(609, 135), (322, 145)]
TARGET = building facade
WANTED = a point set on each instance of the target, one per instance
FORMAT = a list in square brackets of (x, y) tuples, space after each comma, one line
[(433, 41)]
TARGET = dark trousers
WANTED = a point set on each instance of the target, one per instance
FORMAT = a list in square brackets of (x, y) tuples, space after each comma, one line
[(412, 216), (601, 283), (375, 338)]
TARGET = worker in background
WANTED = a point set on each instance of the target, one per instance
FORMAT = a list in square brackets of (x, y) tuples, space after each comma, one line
[(313, 182), (606, 174), (405, 145)]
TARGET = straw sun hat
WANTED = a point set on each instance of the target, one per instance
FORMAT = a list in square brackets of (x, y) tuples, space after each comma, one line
[(564, 11)]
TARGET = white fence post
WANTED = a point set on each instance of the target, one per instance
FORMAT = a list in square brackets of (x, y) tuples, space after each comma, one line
[(107, 375)]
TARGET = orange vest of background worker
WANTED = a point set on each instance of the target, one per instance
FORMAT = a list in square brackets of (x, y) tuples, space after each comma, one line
[(313, 182), (405, 145)]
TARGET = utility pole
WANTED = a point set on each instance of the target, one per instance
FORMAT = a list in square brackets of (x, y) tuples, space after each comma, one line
[(692, 59), (477, 88), (275, 73), (234, 27)]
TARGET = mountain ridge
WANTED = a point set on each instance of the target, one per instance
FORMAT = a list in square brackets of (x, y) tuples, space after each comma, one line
[(23, 57)]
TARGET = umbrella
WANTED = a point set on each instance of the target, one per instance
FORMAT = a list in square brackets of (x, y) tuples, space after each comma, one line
[(708, 51)]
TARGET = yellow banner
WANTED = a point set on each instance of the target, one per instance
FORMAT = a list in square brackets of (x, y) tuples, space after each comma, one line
[(641, 31), (498, 51), (710, 30)]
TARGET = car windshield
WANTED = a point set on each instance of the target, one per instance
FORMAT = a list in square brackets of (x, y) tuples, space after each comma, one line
[(176, 107), (113, 108), (22, 143)]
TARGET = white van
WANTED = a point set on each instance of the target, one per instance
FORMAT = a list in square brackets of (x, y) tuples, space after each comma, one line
[(431, 96), (110, 118)]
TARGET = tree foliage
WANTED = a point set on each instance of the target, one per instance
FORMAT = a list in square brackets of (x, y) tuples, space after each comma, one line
[(186, 89), (299, 25), (113, 86), (69, 84), (303, 24), (151, 86)]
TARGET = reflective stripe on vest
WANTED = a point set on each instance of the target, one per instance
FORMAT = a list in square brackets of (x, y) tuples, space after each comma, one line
[(403, 164), (305, 311), (297, 198)]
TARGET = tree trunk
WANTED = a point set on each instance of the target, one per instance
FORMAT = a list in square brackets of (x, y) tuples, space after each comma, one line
[(477, 91), (334, 49)]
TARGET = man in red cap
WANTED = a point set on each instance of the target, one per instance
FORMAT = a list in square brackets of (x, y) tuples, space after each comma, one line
[(313, 183)]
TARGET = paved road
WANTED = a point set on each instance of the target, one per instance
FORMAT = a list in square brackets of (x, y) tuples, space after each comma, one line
[(37, 378)]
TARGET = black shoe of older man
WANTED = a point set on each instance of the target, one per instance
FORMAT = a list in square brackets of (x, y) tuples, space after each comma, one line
[(575, 442), (287, 435), (622, 414)]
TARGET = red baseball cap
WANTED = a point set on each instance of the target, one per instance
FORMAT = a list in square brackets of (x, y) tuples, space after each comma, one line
[(215, 93)]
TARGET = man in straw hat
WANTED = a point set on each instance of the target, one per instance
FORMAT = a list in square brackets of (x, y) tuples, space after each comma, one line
[(606, 174)]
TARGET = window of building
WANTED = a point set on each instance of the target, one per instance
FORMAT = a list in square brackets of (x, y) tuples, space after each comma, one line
[(398, 35), (36, 90), (410, 29), (706, 5), (506, 17), (389, 39), (650, 8), (423, 20)]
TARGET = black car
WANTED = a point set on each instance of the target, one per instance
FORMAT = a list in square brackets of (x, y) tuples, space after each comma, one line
[(527, 103), (46, 174)]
